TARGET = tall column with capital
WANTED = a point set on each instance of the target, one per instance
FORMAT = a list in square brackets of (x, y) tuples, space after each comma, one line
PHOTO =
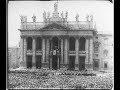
[(34, 56), (77, 54), (91, 52), (43, 50), (66, 51), (25, 48)]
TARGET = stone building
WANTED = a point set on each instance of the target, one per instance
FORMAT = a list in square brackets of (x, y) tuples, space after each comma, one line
[(57, 43), (103, 52), (13, 57)]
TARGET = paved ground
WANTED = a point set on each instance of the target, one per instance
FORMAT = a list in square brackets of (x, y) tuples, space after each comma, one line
[(58, 79)]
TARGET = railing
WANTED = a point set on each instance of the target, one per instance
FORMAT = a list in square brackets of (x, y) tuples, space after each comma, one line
[(72, 25)]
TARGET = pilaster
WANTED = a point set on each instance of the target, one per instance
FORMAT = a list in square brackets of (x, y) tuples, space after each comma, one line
[(43, 50), (25, 48), (34, 56), (77, 50)]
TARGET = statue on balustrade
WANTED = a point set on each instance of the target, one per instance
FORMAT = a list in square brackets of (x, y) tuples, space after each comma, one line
[(34, 18), (77, 17), (23, 19)]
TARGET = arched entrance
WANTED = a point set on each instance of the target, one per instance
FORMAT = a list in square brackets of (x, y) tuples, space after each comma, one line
[(55, 48)]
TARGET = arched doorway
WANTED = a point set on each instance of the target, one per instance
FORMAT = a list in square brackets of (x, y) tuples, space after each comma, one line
[(55, 48)]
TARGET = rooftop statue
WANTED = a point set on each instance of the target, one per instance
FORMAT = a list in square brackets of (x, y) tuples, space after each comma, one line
[(44, 14), (55, 7), (62, 14), (77, 17), (87, 17), (48, 14), (91, 17), (66, 15), (23, 19), (34, 18)]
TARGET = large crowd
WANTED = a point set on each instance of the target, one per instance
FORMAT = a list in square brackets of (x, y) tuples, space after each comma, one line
[(59, 79)]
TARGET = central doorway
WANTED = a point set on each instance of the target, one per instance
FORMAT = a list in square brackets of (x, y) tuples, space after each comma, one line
[(55, 48)]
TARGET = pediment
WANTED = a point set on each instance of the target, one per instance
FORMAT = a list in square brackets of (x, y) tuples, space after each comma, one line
[(54, 26)]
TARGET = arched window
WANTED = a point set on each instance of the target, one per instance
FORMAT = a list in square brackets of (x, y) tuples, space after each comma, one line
[(72, 44), (38, 43), (29, 43), (82, 44)]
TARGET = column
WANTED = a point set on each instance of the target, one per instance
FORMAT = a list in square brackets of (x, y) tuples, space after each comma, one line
[(62, 51), (86, 49), (25, 45), (47, 50), (43, 50), (77, 54), (91, 53), (33, 47), (22, 52), (66, 51)]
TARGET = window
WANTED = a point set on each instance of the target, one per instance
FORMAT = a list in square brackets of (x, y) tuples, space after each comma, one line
[(105, 65), (38, 43), (96, 55), (105, 52), (72, 44), (82, 44), (96, 47), (29, 43), (96, 37)]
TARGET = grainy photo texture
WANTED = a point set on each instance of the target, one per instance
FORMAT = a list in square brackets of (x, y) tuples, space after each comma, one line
[(60, 45)]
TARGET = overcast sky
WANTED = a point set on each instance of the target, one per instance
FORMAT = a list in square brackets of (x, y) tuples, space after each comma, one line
[(102, 12)]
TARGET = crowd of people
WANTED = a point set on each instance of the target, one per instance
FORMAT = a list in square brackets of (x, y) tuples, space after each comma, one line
[(59, 79)]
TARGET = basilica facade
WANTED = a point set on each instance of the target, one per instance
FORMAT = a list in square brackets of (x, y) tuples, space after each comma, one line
[(57, 43)]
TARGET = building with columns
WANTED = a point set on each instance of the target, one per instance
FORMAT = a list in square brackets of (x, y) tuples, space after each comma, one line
[(57, 43)]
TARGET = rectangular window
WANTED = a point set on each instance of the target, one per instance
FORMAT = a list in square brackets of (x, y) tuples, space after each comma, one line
[(105, 65)]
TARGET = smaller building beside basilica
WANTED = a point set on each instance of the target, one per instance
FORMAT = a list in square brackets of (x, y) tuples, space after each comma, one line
[(57, 43)]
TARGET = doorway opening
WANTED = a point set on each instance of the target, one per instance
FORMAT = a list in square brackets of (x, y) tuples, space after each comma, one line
[(82, 63), (71, 62)]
